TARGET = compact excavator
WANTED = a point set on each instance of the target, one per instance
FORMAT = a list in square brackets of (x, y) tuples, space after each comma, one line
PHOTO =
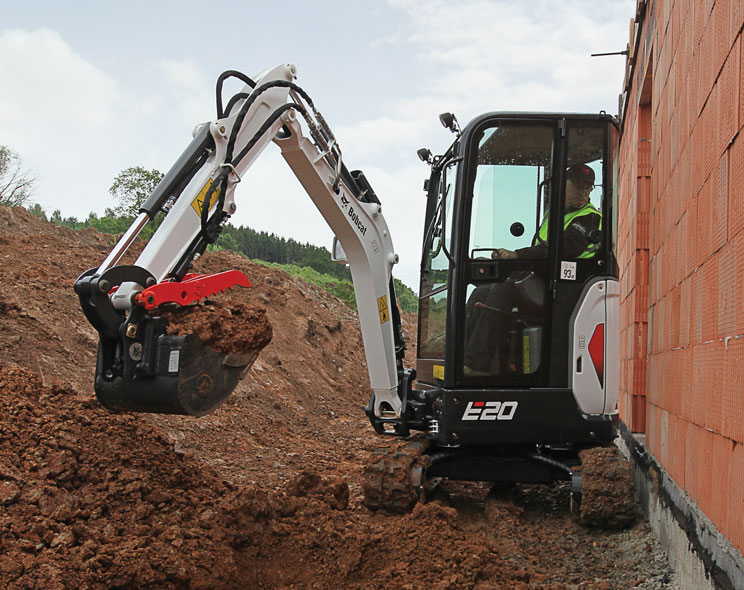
[(517, 371)]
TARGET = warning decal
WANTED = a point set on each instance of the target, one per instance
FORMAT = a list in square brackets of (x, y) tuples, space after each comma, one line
[(198, 202), (382, 307), (438, 372)]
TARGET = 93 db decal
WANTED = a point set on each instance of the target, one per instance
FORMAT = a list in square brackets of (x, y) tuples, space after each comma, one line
[(485, 411)]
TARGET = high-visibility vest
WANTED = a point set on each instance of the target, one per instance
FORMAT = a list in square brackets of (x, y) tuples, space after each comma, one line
[(587, 209)]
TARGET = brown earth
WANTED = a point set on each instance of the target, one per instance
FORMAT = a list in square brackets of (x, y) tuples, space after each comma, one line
[(227, 329), (263, 493)]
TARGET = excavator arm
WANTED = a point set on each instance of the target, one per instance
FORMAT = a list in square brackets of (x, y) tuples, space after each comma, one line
[(140, 367)]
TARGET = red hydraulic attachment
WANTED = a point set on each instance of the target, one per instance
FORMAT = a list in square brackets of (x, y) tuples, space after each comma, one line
[(191, 288)]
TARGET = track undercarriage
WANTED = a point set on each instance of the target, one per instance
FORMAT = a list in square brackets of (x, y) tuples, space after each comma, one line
[(398, 476)]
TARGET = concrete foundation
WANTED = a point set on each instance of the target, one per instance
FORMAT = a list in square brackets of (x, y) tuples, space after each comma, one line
[(702, 558)]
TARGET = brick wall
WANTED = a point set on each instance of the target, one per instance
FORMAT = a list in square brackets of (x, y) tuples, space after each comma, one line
[(681, 249)]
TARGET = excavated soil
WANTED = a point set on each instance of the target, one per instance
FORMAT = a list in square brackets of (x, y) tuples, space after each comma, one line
[(263, 493), (607, 480), (226, 329)]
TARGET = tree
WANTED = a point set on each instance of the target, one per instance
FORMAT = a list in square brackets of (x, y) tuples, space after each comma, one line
[(130, 189), (16, 184), (36, 210)]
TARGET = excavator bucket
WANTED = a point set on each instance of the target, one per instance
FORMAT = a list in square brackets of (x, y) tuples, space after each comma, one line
[(185, 377), (150, 360)]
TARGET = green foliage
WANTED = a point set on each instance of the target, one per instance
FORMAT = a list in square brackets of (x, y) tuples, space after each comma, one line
[(311, 263), (407, 299), (107, 224), (38, 212), (16, 184), (272, 248), (341, 288), (130, 189)]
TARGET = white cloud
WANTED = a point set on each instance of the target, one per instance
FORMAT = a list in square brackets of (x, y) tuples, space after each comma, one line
[(535, 55), (77, 123), (187, 87), (77, 126), (52, 84), (58, 110)]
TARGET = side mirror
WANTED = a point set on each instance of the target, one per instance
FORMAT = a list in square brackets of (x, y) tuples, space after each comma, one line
[(337, 252)]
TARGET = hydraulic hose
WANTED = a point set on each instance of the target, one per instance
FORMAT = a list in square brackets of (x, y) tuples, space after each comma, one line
[(221, 180), (224, 76)]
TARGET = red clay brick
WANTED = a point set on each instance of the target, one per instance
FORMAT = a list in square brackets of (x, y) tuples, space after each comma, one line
[(736, 187), (710, 299), (723, 454), (727, 265), (639, 414), (735, 522), (703, 228), (701, 382), (653, 437), (674, 380), (731, 393), (685, 312), (716, 377), (719, 206), (737, 245), (704, 469), (678, 449), (675, 298), (728, 113), (736, 19), (693, 254), (710, 133), (696, 308), (688, 383), (721, 40)]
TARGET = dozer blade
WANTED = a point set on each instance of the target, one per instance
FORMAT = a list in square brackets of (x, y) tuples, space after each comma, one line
[(186, 378)]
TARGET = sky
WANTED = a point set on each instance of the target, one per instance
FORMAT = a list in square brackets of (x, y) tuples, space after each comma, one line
[(88, 89)]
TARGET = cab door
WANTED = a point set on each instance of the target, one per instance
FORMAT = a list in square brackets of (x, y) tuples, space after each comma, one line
[(436, 269), (505, 268)]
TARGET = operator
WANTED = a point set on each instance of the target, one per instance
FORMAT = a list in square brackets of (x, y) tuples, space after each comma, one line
[(581, 220), (489, 310)]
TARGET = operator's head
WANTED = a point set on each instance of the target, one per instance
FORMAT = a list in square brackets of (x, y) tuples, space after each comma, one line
[(579, 183)]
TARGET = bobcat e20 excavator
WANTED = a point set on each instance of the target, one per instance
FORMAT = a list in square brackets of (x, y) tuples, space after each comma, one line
[(518, 363)]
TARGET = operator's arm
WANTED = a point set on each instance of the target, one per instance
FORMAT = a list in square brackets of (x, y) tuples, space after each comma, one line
[(576, 239)]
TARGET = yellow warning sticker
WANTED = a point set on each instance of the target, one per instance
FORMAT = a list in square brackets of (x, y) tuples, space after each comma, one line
[(382, 307), (198, 202), (438, 372)]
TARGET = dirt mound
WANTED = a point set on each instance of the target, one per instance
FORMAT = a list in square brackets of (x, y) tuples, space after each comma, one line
[(607, 499), (263, 493), (92, 499)]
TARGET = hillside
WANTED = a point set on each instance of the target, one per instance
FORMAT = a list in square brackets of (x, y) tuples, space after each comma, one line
[(263, 493)]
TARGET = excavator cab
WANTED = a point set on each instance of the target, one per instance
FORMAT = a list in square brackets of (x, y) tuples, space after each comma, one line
[(519, 297)]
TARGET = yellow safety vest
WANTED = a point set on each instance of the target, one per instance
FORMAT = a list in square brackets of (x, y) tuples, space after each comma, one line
[(587, 209)]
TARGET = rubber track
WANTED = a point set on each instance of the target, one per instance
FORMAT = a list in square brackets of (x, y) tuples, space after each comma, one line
[(393, 475), (607, 498)]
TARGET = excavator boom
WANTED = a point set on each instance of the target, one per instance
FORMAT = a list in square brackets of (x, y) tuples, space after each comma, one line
[(198, 196)]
